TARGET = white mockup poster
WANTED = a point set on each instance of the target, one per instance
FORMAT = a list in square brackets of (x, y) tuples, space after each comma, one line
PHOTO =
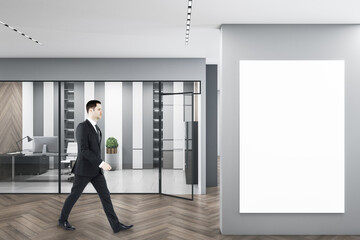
[(291, 144)]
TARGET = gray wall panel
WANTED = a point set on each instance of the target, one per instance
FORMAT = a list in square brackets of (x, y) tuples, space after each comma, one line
[(168, 126), (188, 87), (100, 95), (62, 124), (288, 42), (127, 136), (44, 69), (56, 109), (148, 125), (211, 126), (38, 109), (54, 164)]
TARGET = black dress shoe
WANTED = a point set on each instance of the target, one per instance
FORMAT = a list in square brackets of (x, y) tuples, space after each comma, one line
[(66, 225), (122, 227)]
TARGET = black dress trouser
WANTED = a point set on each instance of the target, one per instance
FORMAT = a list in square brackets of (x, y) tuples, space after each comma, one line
[(99, 184)]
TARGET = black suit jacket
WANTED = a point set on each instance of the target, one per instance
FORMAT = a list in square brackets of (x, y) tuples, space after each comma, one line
[(89, 154)]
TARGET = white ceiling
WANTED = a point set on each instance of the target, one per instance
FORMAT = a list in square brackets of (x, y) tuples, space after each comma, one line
[(148, 28)]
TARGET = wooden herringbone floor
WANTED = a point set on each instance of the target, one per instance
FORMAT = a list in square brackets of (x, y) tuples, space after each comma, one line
[(155, 217)]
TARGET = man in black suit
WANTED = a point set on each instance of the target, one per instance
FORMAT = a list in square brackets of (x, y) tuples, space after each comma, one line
[(89, 168)]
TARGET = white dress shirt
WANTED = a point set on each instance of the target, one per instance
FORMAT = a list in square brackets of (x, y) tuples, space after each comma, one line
[(94, 123)]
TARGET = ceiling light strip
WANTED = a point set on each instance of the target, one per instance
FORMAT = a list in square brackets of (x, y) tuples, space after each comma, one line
[(188, 20), (23, 34)]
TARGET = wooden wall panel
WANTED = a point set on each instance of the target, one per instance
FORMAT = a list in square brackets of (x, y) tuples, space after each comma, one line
[(10, 116)]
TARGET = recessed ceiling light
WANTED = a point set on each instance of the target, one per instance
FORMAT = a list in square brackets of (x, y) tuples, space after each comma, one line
[(189, 10), (23, 34)]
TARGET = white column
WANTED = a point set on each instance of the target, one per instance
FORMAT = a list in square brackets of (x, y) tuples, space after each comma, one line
[(48, 109), (178, 127), (89, 93), (27, 113), (137, 125), (113, 120)]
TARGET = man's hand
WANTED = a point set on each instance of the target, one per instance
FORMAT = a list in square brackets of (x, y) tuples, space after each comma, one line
[(106, 166)]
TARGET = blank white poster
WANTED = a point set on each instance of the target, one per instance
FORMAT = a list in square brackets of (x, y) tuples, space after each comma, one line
[(291, 144)]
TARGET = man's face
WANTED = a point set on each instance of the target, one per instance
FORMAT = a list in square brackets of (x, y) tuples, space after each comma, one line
[(96, 112)]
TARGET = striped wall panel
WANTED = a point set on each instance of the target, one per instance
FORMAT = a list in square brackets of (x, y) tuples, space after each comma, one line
[(127, 121), (99, 94), (89, 91), (148, 125), (178, 127), (113, 121), (137, 129), (48, 108), (28, 113)]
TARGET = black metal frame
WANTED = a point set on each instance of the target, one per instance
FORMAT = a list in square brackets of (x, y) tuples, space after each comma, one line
[(160, 140), (160, 132), (59, 138)]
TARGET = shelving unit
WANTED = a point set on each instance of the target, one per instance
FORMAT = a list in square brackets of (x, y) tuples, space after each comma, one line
[(156, 130), (69, 111)]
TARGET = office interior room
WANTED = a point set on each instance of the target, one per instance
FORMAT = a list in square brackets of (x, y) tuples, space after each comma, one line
[(273, 87), (134, 114)]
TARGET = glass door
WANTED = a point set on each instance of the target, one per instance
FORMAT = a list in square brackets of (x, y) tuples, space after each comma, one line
[(177, 149)]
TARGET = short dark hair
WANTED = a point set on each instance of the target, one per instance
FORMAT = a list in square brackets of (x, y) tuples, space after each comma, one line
[(91, 104)]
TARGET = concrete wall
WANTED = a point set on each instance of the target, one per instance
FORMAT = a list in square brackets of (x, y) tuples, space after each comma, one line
[(288, 42)]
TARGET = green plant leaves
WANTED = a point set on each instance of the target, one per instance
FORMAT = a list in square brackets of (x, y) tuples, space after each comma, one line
[(111, 142)]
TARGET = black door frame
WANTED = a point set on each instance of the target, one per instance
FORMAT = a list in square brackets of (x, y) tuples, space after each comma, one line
[(161, 138)]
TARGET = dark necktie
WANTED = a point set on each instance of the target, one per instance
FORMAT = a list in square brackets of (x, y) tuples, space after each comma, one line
[(98, 132)]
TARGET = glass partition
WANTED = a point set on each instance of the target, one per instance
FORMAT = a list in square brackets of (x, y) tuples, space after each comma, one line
[(179, 160), (29, 143), (129, 110), (39, 120)]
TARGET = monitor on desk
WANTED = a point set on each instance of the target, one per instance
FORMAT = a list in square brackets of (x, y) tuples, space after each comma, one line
[(43, 144)]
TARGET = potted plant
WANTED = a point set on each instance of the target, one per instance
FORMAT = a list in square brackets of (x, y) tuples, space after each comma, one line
[(111, 145), (112, 156)]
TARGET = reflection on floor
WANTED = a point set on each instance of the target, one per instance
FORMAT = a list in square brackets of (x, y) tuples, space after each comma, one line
[(120, 181)]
